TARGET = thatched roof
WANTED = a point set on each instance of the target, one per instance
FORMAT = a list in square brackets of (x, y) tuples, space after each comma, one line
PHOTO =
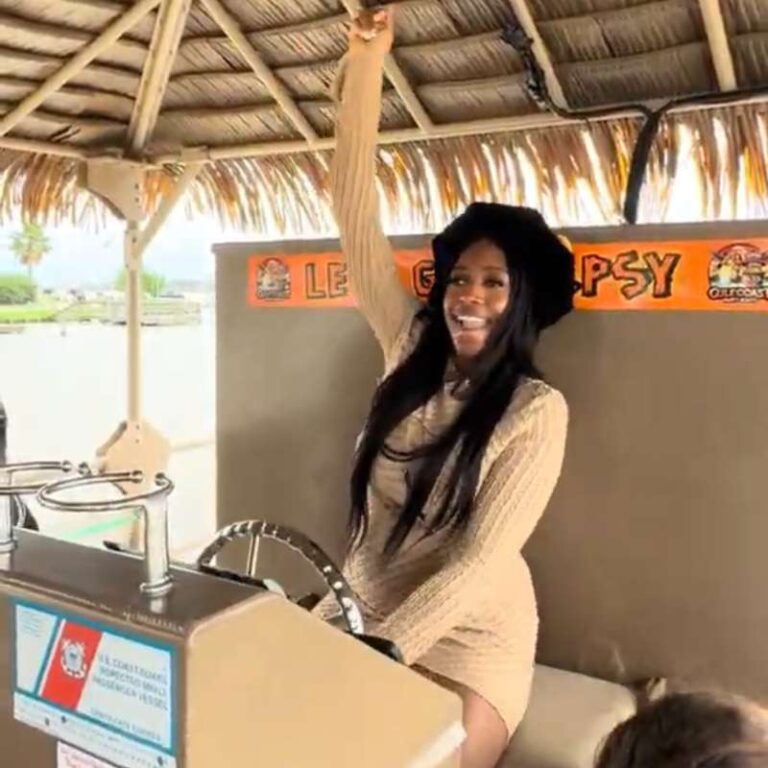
[(254, 100)]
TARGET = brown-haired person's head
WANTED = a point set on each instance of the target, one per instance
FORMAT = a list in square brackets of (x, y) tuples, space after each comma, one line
[(690, 730)]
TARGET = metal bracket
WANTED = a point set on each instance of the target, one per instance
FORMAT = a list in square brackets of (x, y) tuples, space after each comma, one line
[(118, 185)]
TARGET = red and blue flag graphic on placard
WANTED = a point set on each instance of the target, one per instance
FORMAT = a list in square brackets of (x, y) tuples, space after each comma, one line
[(68, 665)]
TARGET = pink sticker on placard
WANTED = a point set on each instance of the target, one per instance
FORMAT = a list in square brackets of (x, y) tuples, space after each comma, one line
[(69, 757)]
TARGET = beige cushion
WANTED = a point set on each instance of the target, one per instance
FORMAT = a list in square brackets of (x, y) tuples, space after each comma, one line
[(568, 717)]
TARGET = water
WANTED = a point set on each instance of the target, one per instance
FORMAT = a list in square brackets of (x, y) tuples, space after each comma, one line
[(65, 392)]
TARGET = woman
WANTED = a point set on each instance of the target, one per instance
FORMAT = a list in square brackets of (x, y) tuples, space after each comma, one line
[(464, 442), (690, 730)]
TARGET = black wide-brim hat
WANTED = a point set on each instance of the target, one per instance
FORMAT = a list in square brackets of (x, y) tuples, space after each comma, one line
[(524, 236)]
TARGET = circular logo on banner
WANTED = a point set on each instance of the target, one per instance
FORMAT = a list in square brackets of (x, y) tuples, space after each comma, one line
[(738, 273), (273, 280)]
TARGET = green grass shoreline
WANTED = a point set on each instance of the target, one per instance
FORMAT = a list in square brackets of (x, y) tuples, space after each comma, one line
[(23, 314)]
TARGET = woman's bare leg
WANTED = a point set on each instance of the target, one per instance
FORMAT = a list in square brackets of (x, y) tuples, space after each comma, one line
[(487, 735), (486, 732)]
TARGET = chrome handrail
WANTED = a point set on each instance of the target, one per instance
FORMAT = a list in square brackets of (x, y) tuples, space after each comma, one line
[(153, 503), (9, 489)]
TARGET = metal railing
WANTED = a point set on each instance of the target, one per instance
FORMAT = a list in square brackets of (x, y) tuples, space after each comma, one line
[(153, 503), (12, 488)]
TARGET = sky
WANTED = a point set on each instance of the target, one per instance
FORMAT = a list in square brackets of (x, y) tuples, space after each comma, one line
[(78, 256)]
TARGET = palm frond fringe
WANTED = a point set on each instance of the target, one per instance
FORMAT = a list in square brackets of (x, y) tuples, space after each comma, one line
[(574, 174)]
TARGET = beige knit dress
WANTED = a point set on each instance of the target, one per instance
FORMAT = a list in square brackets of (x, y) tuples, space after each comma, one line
[(462, 608)]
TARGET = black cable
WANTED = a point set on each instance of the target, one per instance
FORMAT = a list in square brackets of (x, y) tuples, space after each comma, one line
[(536, 85), (641, 152)]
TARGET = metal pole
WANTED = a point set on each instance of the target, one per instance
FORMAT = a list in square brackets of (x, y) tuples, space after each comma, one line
[(157, 576), (3, 434), (7, 543), (133, 319)]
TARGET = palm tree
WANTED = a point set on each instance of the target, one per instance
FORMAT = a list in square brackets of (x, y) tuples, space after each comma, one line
[(30, 245)]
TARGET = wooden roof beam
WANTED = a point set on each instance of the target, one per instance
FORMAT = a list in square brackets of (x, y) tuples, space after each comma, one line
[(301, 27), (396, 136), (312, 25), (212, 74), (398, 79), (439, 46), (74, 91), (100, 5), (61, 31), (77, 63), (279, 92), (169, 27), (400, 136), (488, 126), (195, 110), (34, 147), (71, 151), (451, 43), (717, 36), (44, 59), (540, 51), (479, 83), (86, 122)]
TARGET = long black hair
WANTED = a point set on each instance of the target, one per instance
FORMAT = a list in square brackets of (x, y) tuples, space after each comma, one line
[(490, 384)]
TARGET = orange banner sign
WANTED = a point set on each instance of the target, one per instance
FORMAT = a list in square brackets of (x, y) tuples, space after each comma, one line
[(727, 275)]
